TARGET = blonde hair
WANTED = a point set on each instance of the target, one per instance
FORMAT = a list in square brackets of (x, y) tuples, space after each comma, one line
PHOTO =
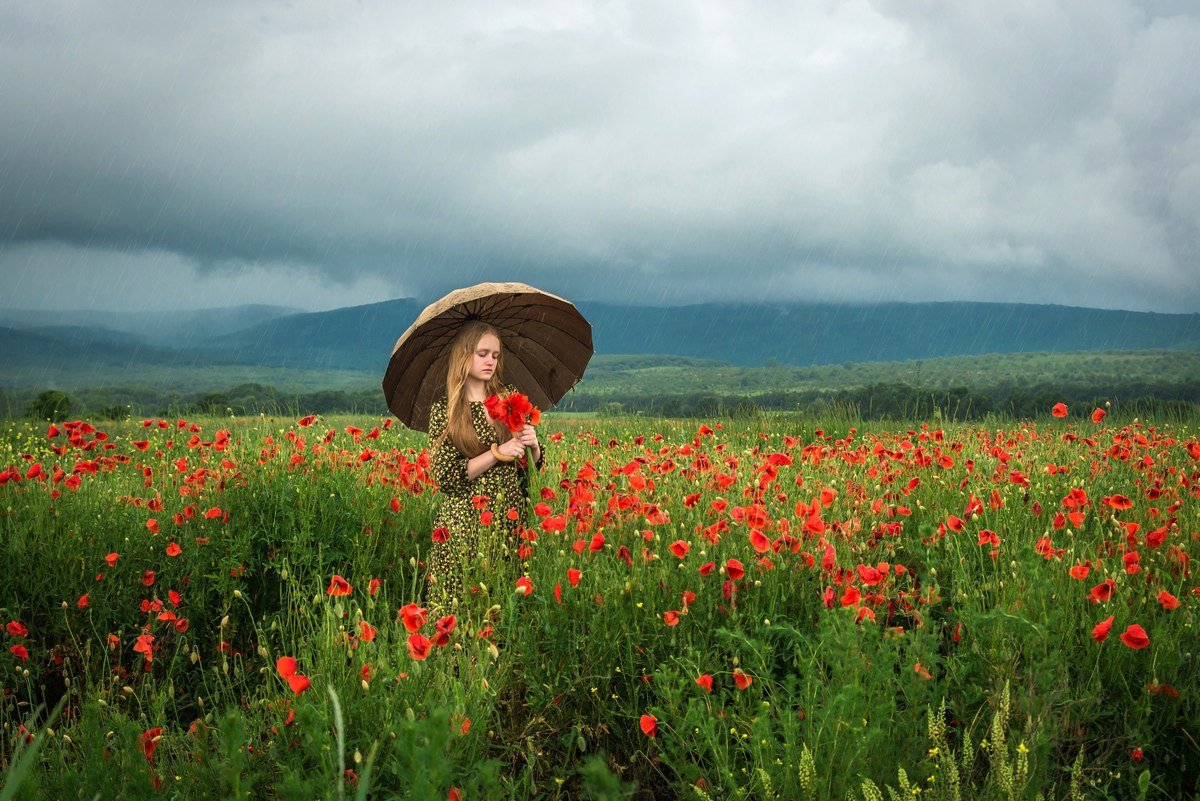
[(458, 406)]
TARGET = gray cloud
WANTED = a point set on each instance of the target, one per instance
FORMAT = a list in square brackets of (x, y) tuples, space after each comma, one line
[(665, 152)]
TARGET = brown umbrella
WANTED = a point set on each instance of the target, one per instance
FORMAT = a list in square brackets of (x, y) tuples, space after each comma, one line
[(547, 345)]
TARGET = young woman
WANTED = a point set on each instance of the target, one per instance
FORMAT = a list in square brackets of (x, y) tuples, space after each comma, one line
[(477, 464)]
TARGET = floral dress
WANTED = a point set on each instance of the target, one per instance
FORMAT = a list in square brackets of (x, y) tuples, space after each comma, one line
[(475, 532)]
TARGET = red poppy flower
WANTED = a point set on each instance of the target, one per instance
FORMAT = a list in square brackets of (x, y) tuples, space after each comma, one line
[(19, 652), (680, 548), (445, 625), (414, 616), (1098, 415), (734, 569), (441, 534), (145, 646), (213, 513), (173, 549), (1102, 592), (366, 632), (1135, 637), (705, 681), (649, 725), (373, 586), (1059, 410), (148, 740), (1100, 632), (82, 603), (742, 679), (1117, 502), (152, 525), (573, 576), (671, 618), (524, 585), (1079, 572), (16, 629), (286, 666), (338, 587), (418, 646), (298, 683), (112, 558), (148, 578), (707, 568), (921, 671), (1168, 600), (759, 541)]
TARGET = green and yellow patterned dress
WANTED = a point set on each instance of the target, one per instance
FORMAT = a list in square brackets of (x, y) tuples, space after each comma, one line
[(478, 546)]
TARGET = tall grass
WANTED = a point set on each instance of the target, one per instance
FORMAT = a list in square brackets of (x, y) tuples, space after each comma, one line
[(873, 643)]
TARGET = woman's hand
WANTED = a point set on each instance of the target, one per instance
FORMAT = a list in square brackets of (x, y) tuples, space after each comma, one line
[(528, 438), (514, 448)]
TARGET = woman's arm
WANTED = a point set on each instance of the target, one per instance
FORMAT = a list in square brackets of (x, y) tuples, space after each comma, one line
[(485, 461)]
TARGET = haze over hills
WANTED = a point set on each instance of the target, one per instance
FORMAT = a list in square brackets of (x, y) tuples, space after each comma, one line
[(177, 328), (362, 337)]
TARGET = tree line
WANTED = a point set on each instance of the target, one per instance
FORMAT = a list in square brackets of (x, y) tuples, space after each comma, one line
[(876, 401)]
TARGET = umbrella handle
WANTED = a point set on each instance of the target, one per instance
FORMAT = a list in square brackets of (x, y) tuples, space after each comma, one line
[(500, 457)]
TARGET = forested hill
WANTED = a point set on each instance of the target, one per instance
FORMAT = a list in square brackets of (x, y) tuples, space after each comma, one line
[(750, 335)]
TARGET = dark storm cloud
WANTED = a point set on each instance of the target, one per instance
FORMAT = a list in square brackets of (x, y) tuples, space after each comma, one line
[(665, 152)]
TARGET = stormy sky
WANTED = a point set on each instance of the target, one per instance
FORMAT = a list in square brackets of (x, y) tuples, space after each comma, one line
[(318, 153)]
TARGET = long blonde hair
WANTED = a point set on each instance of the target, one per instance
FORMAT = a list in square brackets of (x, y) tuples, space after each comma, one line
[(458, 406)]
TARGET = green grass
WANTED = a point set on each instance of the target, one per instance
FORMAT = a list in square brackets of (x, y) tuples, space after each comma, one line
[(971, 673)]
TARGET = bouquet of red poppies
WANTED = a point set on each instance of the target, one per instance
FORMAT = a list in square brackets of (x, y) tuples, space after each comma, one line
[(514, 410)]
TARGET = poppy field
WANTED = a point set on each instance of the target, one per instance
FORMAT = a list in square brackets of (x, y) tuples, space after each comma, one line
[(720, 609)]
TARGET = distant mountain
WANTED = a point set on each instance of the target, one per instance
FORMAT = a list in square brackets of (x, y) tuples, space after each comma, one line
[(362, 337), (59, 348), (353, 338), (179, 328), (813, 334)]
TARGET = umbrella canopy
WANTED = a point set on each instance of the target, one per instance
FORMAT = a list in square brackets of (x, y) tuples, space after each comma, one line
[(547, 344)]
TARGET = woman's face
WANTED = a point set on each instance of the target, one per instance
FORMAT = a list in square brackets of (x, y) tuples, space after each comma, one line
[(486, 358)]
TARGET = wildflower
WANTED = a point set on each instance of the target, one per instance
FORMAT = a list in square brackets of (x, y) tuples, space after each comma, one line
[(1135, 637), (148, 740), (414, 616), (16, 629), (338, 586), (705, 682), (734, 569), (649, 725), (742, 679), (418, 646), (1059, 410), (1168, 600), (1100, 632), (173, 549)]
